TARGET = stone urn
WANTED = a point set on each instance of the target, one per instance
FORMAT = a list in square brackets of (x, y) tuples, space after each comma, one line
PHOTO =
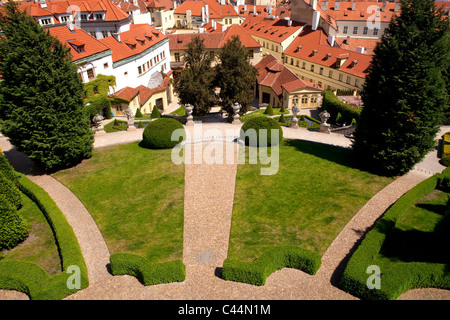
[(324, 126), (236, 109), (294, 121), (190, 119), (98, 127)]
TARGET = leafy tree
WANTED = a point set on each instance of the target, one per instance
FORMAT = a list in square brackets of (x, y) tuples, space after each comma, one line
[(404, 94), (235, 76), (195, 85), (41, 94)]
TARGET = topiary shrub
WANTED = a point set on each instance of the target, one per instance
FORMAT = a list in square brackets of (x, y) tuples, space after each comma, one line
[(158, 134), (9, 192), (7, 170), (138, 113), (258, 132), (155, 113), (269, 110), (282, 109), (13, 228), (282, 119)]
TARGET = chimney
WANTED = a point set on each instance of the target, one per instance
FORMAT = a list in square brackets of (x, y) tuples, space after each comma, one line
[(353, 5), (289, 23), (331, 40), (313, 4), (348, 40), (245, 8), (43, 4), (397, 6), (254, 11), (315, 20), (324, 5), (70, 25), (383, 7), (203, 14), (360, 50), (337, 4), (116, 36)]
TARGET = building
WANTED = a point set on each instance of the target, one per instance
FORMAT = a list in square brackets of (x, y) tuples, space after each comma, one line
[(278, 86), (213, 41), (312, 56)]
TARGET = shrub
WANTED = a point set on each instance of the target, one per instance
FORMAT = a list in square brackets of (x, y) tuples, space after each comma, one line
[(13, 228), (445, 160), (282, 119), (7, 170), (9, 192), (257, 271), (146, 272), (262, 127), (269, 110), (138, 113), (158, 134), (155, 113), (334, 106), (282, 109), (140, 125)]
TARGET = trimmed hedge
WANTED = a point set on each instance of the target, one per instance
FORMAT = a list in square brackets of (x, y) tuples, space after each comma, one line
[(33, 280), (158, 134), (334, 106), (258, 124), (445, 150), (257, 271), (13, 227), (146, 272), (403, 276)]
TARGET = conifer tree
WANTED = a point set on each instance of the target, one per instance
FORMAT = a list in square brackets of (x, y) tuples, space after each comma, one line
[(235, 76), (404, 94), (195, 85), (41, 94)]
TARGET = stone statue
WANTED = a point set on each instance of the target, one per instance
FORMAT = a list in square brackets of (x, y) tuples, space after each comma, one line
[(130, 118), (324, 126), (295, 110), (98, 127), (236, 108), (190, 119)]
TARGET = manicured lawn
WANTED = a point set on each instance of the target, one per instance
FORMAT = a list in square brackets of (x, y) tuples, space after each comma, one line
[(40, 246), (135, 196), (315, 193), (414, 238), (179, 112)]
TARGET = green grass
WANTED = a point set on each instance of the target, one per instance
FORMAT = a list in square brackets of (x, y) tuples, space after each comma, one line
[(110, 127), (179, 112), (413, 238), (313, 196), (260, 112), (135, 196), (40, 246)]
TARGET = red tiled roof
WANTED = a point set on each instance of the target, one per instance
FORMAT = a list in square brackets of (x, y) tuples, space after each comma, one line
[(272, 73), (354, 43), (120, 50), (166, 4), (209, 27), (144, 92), (310, 40), (276, 30), (345, 11), (246, 39), (78, 37)]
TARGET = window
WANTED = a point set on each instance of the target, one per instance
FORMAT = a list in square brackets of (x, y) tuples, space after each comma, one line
[(312, 68), (292, 61), (98, 16), (295, 99), (125, 73), (105, 34), (177, 56), (345, 30), (105, 65), (365, 30), (357, 82), (90, 74), (320, 85), (375, 31), (83, 17), (140, 70), (321, 70), (148, 65), (64, 18), (304, 99), (45, 22), (272, 48), (94, 34), (355, 30), (304, 65), (348, 79), (340, 76), (330, 74)]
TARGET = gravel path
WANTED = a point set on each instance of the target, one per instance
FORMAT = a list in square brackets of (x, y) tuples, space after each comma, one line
[(208, 205)]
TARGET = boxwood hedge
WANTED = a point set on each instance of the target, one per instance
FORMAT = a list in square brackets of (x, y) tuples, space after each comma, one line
[(334, 106), (257, 271), (158, 134), (403, 276), (33, 280), (146, 272), (263, 128)]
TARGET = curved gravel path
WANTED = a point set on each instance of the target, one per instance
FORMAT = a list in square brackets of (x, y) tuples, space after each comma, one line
[(207, 223)]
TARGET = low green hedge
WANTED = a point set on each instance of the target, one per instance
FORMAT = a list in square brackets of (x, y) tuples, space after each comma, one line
[(146, 272), (32, 279), (404, 276), (257, 271), (445, 150)]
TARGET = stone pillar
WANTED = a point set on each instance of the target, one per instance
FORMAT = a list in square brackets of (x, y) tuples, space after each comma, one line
[(189, 118), (236, 108)]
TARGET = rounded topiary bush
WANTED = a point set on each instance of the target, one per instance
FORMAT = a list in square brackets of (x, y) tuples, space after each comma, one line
[(158, 134), (9, 192), (259, 131)]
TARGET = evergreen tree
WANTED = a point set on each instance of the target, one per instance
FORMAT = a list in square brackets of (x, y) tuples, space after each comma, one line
[(269, 110), (235, 76), (41, 94), (155, 113), (404, 94), (195, 85), (138, 113)]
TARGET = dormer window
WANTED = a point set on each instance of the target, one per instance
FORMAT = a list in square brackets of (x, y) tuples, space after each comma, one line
[(45, 22), (141, 41), (83, 16), (132, 45), (354, 63), (98, 16), (327, 56), (149, 38), (298, 48), (78, 46), (314, 52), (156, 34)]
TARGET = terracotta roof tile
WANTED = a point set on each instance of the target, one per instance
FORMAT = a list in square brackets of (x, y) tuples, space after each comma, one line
[(276, 30)]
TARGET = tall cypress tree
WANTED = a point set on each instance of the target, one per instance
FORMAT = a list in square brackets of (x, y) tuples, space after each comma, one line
[(41, 94), (404, 94), (195, 85), (235, 76)]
